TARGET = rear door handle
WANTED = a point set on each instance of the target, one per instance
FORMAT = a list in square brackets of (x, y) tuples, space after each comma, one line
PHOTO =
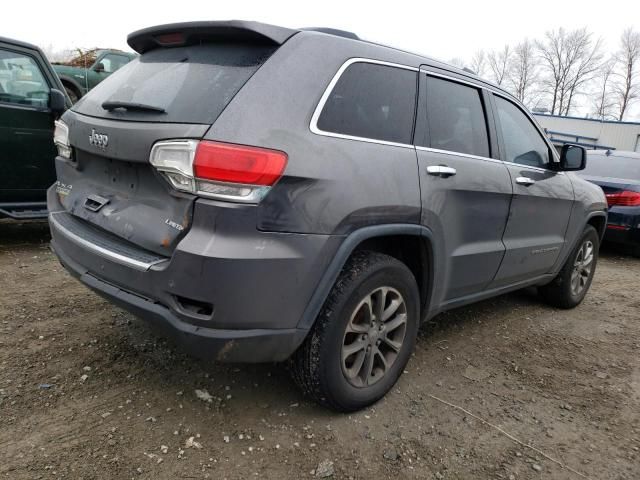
[(526, 181), (441, 170)]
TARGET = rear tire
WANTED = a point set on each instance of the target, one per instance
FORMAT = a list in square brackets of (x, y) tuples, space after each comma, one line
[(569, 288), (364, 335)]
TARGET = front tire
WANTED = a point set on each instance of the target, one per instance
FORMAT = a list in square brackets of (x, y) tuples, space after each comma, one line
[(74, 96), (569, 288), (364, 335)]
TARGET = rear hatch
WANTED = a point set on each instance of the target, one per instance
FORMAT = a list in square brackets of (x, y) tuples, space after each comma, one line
[(169, 92)]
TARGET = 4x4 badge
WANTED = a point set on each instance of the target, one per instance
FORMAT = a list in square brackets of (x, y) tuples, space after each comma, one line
[(100, 140)]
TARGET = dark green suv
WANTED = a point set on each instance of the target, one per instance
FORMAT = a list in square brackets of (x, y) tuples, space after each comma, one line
[(88, 69), (31, 98)]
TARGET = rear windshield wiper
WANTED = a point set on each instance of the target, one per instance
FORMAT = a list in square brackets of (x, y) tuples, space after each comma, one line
[(140, 107)]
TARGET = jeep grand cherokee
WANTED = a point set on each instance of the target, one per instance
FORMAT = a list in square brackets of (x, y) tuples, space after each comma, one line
[(263, 194)]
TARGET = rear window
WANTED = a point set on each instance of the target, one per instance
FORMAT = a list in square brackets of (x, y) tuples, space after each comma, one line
[(614, 167), (372, 101), (193, 84), (456, 118)]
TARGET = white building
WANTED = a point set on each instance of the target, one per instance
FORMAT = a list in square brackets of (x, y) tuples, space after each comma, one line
[(591, 133)]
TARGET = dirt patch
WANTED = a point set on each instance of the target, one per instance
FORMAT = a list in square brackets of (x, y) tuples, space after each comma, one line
[(88, 391)]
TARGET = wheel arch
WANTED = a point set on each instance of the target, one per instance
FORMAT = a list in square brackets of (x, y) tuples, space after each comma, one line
[(397, 240), (68, 81), (598, 220)]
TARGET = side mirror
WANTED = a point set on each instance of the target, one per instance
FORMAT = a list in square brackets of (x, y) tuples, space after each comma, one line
[(572, 158), (57, 101), (99, 67)]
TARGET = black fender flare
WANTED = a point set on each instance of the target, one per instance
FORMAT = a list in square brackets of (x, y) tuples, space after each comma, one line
[(594, 214), (565, 255), (345, 250)]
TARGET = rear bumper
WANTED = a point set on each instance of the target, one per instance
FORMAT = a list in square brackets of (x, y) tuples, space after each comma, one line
[(257, 283), (254, 346)]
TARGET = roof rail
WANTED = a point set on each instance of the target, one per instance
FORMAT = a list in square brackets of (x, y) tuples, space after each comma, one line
[(332, 31)]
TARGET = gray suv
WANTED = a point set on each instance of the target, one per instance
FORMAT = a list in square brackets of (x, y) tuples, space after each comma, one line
[(266, 194)]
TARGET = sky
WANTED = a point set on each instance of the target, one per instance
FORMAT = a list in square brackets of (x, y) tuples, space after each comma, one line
[(439, 29)]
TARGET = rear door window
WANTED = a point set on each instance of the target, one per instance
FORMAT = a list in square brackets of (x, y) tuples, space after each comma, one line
[(456, 118), (192, 84), (372, 101)]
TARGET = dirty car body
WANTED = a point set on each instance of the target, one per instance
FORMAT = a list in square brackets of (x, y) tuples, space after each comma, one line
[(237, 265)]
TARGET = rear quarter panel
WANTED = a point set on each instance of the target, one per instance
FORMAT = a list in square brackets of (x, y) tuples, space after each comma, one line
[(331, 185)]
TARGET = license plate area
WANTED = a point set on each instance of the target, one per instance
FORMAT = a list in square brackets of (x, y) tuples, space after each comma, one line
[(128, 199), (123, 177)]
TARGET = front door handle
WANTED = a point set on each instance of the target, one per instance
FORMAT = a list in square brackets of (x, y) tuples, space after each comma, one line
[(441, 170), (526, 181)]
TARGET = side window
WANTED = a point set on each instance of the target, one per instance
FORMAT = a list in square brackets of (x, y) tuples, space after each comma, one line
[(372, 101), (112, 62), (456, 118), (522, 141), (22, 81)]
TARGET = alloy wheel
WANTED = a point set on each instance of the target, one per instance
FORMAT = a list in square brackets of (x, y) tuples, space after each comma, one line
[(582, 267), (374, 336)]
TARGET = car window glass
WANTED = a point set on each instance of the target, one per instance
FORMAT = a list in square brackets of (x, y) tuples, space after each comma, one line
[(522, 142), (372, 101), (21, 80), (112, 62), (456, 118), (602, 165), (193, 83)]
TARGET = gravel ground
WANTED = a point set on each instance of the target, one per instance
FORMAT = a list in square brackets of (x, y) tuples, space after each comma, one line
[(505, 389)]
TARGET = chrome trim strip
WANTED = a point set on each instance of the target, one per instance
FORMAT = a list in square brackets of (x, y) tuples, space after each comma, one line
[(313, 126), (486, 159), (537, 169), (456, 79), (103, 252), (458, 154)]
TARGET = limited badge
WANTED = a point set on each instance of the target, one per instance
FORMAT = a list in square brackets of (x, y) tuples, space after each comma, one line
[(173, 224)]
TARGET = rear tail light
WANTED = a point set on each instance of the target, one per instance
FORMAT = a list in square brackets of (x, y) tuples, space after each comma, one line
[(617, 227), (219, 170), (625, 198), (61, 139)]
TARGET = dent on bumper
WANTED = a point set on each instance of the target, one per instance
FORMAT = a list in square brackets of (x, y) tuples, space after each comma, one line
[(225, 345)]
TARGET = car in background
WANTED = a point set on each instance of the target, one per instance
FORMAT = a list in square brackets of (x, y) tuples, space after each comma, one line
[(618, 174), (31, 98), (88, 69)]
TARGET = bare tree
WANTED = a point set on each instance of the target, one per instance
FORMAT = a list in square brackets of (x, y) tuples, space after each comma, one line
[(522, 73), (589, 59), (498, 62), (627, 88), (479, 63), (570, 60), (603, 102)]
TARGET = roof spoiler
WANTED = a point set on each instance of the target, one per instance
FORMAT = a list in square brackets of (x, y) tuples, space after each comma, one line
[(188, 33)]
